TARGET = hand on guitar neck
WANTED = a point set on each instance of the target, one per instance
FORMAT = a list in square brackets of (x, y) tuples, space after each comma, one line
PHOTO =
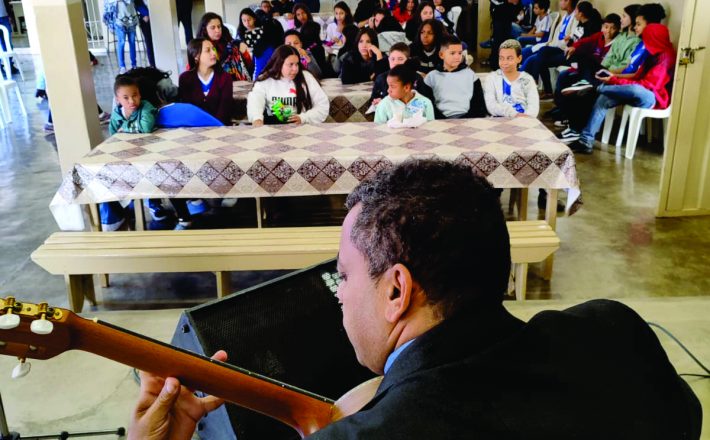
[(168, 410)]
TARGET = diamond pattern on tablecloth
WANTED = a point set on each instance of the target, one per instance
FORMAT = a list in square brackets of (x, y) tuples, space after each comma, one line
[(131, 152), (270, 173), (527, 167), (275, 149), (144, 140), (510, 129), (194, 138), (220, 174), (169, 175), (226, 150), (322, 148), (236, 137), (365, 106), (460, 130), (483, 164), (371, 133), (517, 141), (325, 135), (112, 140), (539, 162), (468, 143), (119, 177), (179, 151), (366, 166), (371, 147), (96, 152), (514, 163), (421, 145), (341, 109), (281, 136), (321, 173)]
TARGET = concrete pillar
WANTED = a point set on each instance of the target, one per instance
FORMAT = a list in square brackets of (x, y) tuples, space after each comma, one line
[(216, 6), (70, 84), (31, 25), (166, 42)]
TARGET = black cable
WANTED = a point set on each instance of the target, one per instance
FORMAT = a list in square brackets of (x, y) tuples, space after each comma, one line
[(670, 335)]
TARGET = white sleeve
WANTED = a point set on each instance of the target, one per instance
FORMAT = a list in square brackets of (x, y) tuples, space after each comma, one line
[(321, 104), (494, 107), (532, 97), (256, 101)]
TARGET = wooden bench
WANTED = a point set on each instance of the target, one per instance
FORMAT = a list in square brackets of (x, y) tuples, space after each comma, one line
[(78, 255)]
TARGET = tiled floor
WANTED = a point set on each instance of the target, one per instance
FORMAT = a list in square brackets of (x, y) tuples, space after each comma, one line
[(613, 247)]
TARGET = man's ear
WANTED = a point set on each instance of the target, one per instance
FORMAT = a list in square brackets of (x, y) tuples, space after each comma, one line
[(399, 292)]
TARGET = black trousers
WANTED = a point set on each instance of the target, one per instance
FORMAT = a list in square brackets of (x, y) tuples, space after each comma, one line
[(184, 16)]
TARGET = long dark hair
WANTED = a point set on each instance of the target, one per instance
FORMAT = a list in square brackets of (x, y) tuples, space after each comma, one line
[(403, 6), (348, 13), (416, 20), (273, 70), (373, 40), (632, 11), (304, 8), (147, 79), (241, 30), (194, 48), (202, 29), (439, 31)]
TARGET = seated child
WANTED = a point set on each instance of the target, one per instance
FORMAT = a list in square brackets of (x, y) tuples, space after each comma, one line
[(286, 92), (425, 49), (399, 54), (131, 115), (507, 91), (402, 101), (364, 60), (456, 89), (541, 30), (293, 38)]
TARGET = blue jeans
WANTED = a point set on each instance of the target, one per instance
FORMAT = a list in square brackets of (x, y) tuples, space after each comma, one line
[(515, 31), (527, 41), (538, 63), (610, 97), (121, 34), (5, 21)]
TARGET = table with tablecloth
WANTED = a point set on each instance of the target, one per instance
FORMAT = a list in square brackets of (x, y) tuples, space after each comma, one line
[(301, 160), (348, 103)]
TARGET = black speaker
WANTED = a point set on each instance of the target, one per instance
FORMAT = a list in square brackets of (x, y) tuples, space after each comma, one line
[(289, 329)]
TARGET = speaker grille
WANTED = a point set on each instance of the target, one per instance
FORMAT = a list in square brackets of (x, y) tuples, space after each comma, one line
[(289, 329)]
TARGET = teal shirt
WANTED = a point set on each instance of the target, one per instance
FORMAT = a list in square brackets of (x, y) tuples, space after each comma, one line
[(387, 108), (141, 121), (619, 54)]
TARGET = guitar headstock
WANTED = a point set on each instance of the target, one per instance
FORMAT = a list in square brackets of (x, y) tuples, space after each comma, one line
[(35, 331)]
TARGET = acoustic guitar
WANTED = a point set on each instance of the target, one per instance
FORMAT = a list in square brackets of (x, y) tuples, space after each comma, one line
[(38, 331)]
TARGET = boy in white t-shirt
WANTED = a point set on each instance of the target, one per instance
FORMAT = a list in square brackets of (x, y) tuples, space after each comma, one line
[(541, 31)]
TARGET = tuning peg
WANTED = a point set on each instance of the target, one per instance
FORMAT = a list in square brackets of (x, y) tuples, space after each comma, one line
[(41, 327), (21, 369), (9, 321)]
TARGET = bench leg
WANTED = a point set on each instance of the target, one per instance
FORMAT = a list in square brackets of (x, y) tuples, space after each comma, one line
[(103, 279), (224, 287), (513, 199), (78, 288), (521, 280), (551, 219), (523, 204)]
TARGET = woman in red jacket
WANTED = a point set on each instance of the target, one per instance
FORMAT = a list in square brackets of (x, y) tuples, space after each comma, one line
[(204, 86), (650, 87)]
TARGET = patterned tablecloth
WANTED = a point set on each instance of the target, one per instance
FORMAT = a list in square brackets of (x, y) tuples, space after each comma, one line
[(347, 103), (299, 160)]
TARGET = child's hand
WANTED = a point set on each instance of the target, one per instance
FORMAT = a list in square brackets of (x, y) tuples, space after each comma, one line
[(570, 51), (376, 101), (257, 123), (375, 51), (295, 119)]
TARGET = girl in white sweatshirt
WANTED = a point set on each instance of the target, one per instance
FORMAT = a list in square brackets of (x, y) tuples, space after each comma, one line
[(285, 92)]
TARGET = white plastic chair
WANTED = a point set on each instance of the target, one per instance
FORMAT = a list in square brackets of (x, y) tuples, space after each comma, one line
[(231, 28), (634, 116), (9, 53), (5, 113), (453, 14)]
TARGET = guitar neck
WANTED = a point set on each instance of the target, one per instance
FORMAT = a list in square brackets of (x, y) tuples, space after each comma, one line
[(304, 411)]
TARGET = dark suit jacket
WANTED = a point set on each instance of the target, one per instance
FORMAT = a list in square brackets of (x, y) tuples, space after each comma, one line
[(218, 101), (594, 371)]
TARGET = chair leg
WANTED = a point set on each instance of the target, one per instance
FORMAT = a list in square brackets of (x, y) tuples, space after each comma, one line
[(224, 287), (78, 288), (622, 127), (608, 125), (523, 204), (19, 99), (665, 132), (649, 130), (5, 105), (635, 123), (521, 280)]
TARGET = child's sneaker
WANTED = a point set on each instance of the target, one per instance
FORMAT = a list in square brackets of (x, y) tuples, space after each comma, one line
[(49, 128), (196, 207), (181, 226), (104, 118)]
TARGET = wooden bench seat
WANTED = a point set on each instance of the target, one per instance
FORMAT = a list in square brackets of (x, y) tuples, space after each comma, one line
[(78, 255)]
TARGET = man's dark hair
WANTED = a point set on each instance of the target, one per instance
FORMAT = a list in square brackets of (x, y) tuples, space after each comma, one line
[(652, 12), (124, 81), (613, 19), (448, 40), (543, 4), (441, 221), (292, 32), (404, 74)]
